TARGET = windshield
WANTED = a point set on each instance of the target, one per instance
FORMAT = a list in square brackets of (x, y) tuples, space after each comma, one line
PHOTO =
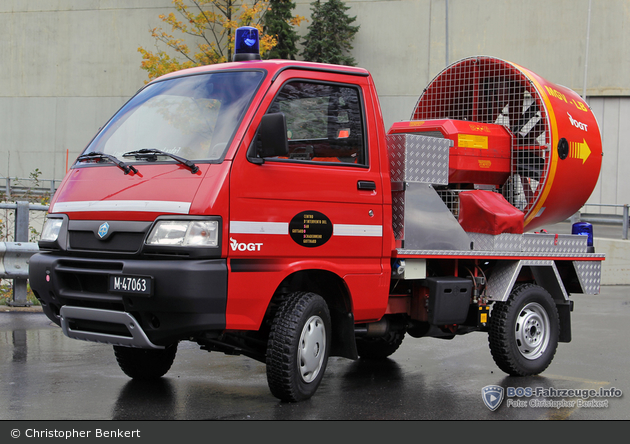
[(193, 117)]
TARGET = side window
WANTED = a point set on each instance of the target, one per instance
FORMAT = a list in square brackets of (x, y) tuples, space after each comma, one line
[(324, 122)]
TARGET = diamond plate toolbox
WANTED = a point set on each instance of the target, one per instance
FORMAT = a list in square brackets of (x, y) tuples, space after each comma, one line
[(421, 159)]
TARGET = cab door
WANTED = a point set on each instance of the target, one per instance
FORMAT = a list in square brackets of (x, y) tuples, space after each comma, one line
[(319, 207)]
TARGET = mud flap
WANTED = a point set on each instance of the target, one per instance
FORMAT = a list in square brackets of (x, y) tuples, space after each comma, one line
[(564, 313), (344, 343)]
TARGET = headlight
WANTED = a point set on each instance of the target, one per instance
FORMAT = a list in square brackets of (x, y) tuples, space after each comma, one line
[(51, 229), (199, 233)]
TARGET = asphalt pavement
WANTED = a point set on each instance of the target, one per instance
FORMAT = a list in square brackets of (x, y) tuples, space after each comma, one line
[(46, 376)]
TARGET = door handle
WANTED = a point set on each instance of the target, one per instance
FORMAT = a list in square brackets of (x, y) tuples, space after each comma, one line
[(366, 185)]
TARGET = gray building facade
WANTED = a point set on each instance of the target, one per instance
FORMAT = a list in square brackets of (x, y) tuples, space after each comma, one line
[(68, 65)]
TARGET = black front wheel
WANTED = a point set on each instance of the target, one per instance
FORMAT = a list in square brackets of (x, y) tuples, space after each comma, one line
[(524, 331), (298, 347), (138, 363)]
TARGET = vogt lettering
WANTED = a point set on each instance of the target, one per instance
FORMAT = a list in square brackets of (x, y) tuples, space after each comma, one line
[(238, 246), (575, 123)]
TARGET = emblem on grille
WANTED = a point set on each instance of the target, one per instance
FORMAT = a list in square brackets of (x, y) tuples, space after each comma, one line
[(103, 229)]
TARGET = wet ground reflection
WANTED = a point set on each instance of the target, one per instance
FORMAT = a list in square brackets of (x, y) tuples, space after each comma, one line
[(44, 375)]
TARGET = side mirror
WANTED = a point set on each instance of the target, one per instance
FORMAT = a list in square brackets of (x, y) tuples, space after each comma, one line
[(271, 139)]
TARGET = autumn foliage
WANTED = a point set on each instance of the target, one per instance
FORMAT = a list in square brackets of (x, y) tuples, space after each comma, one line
[(211, 25)]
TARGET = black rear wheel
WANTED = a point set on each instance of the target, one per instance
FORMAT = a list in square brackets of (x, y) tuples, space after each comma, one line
[(145, 364), (381, 347), (524, 331), (298, 347)]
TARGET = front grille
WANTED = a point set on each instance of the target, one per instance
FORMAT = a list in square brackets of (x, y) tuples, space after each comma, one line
[(79, 282), (121, 241), (84, 282), (112, 236), (70, 265)]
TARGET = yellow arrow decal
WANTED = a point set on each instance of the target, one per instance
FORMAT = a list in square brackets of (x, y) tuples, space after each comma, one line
[(579, 150)]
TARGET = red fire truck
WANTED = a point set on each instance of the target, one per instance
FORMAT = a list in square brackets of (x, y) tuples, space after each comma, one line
[(261, 208)]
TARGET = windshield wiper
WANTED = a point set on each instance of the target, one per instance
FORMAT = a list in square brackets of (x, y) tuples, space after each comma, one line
[(119, 163), (150, 155)]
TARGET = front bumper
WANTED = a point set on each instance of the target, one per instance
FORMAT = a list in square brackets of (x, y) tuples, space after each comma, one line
[(189, 298)]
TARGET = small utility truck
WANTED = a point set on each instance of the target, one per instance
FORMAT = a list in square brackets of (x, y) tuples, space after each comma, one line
[(261, 207)]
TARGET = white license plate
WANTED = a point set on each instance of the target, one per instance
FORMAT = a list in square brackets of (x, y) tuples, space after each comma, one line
[(142, 285)]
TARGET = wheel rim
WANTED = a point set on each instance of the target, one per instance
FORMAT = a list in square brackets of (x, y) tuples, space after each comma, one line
[(532, 331), (312, 348)]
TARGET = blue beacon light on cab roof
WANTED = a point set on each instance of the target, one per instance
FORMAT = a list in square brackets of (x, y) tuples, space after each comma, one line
[(246, 44)]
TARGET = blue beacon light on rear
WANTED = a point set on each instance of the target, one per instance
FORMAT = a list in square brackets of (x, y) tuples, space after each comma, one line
[(246, 44), (584, 229)]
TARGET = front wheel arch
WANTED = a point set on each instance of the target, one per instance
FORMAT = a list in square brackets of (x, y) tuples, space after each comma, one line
[(332, 288)]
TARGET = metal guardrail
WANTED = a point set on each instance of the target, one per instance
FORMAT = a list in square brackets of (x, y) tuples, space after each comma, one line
[(613, 219), (14, 256), (16, 187)]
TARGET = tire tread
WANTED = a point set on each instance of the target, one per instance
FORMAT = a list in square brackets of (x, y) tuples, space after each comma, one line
[(499, 337), (285, 332)]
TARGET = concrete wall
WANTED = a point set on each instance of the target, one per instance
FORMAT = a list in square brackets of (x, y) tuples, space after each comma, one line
[(613, 187), (616, 267), (67, 65)]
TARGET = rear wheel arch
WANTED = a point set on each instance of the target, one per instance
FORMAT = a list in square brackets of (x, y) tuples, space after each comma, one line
[(506, 276), (554, 281)]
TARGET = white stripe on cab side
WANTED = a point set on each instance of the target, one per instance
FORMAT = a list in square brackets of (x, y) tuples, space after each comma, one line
[(247, 227)]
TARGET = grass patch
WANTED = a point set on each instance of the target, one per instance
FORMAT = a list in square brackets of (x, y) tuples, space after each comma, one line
[(6, 294)]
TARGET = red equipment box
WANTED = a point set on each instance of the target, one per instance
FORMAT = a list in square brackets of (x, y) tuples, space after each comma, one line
[(481, 152)]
